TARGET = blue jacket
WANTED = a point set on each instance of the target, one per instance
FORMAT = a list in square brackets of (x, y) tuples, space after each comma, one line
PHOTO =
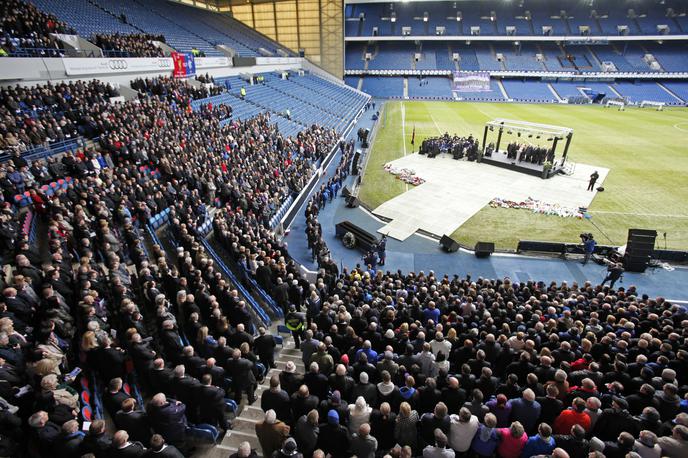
[(527, 412), (537, 446)]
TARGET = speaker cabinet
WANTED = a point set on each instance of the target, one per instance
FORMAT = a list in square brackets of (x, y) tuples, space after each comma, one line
[(448, 244), (352, 201), (484, 249), (639, 249)]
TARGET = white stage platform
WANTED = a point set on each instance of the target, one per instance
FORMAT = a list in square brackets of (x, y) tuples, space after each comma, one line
[(456, 190)]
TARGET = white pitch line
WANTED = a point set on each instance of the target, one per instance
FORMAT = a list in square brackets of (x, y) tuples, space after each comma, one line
[(655, 215), (435, 122), (403, 131)]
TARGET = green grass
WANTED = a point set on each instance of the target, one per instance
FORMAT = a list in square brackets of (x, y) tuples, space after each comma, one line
[(645, 150)]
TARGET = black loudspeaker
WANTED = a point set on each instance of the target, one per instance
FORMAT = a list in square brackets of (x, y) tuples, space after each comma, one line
[(345, 192), (484, 249), (600, 188), (448, 244), (352, 201), (639, 249), (354, 163)]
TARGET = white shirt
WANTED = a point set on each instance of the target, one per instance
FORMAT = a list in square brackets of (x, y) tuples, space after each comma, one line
[(461, 434)]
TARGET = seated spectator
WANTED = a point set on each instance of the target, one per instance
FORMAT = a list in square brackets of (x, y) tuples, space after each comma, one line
[(69, 443), (676, 445), (123, 448), (167, 417), (158, 448), (132, 420), (97, 441)]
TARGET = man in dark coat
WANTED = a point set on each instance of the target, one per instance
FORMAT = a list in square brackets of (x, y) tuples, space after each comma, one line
[(265, 348), (614, 421), (168, 418), (134, 421), (243, 378), (185, 389), (159, 449), (97, 441), (68, 443), (123, 448), (211, 403), (114, 396), (278, 400), (161, 377), (333, 438)]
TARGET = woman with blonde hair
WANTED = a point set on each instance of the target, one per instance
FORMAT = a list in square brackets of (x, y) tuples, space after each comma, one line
[(61, 395), (512, 440), (405, 429)]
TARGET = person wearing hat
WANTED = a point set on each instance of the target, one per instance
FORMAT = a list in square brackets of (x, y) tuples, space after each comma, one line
[(613, 421), (289, 380), (365, 389), (335, 402), (271, 433), (244, 451), (289, 449), (334, 438)]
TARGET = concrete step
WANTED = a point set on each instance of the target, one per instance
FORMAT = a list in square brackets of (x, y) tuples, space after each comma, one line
[(252, 413), (290, 352), (234, 439), (244, 425)]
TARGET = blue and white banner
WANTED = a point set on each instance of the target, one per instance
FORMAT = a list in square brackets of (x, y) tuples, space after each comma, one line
[(471, 82)]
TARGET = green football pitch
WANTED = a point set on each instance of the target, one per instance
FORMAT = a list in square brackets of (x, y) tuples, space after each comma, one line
[(645, 150)]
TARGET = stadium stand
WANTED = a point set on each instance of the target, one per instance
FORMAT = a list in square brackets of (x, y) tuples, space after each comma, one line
[(433, 87), (385, 86), (185, 28), (145, 287), (528, 91), (637, 91)]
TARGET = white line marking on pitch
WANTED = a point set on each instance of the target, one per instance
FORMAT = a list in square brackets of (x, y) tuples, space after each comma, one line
[(637, 214), (682, 129), (403, 130)]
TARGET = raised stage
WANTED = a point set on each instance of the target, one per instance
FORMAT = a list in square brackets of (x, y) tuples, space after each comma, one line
[(499, 159), (456, 190)]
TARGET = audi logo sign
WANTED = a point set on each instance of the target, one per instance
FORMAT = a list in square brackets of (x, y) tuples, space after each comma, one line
[(117, 64), (102, 66)]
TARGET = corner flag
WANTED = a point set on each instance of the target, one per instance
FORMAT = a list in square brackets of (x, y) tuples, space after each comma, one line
[(413, 135)]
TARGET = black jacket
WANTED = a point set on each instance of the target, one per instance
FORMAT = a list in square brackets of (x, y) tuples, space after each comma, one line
[(211, 404), (169, 420), (279, 402), (136, 423)]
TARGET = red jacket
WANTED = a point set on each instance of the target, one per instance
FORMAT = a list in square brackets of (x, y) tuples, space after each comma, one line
[(568, 418)]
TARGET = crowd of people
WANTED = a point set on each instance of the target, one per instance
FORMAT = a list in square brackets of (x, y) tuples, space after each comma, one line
[(457, 146), (92, 295), (39, 115), (526, 152), (397, 364), (174, 89), (129, 45), (25, 30)]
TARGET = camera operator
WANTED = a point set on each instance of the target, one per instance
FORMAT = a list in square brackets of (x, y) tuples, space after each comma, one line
[(589, 245), (614, 272)]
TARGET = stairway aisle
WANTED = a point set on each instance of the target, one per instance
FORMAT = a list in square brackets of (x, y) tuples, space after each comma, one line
[(244, 425)]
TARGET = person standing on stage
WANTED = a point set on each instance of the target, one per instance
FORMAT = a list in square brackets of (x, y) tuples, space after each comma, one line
[(381, 250), (593, 180)]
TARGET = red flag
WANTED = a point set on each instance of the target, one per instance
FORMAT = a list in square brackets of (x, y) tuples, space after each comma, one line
[(413, 136)]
